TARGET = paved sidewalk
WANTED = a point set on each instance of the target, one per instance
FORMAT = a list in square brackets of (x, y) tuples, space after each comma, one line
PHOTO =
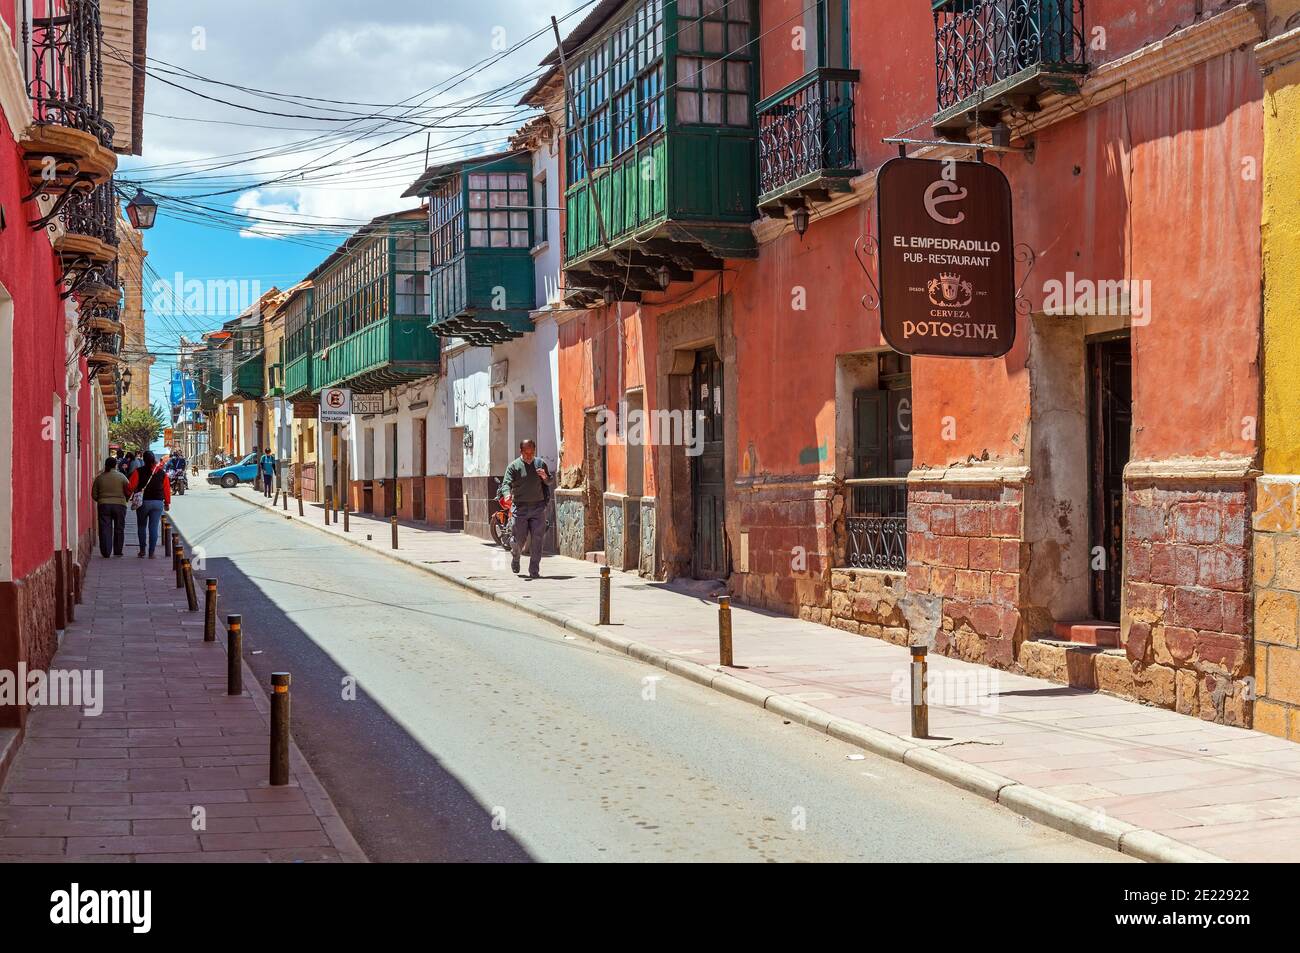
[(1150, 782), (124, 785)]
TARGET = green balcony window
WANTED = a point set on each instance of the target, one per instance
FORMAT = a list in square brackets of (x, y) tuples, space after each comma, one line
[(661, 107), (370, 309), (481, 225)]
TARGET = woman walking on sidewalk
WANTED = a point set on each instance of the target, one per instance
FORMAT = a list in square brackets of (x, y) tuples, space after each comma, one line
[(155, 496), (109, 493)]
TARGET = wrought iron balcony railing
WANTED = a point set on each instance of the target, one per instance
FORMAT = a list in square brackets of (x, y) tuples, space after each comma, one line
[(987, 48), (877, 524), (805, 132), (101, 343), (65, 72), (93, 213)]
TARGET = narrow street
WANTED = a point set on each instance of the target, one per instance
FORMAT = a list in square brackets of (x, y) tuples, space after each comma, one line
[(467, 711)]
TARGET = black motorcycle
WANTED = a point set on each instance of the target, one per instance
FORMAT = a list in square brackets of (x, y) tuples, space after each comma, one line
[(178, 481)]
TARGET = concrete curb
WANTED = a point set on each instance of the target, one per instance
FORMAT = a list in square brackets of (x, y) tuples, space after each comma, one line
[(322, 804), (1047, 809)]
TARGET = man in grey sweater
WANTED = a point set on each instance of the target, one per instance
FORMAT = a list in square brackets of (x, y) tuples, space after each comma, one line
[(527, 483)]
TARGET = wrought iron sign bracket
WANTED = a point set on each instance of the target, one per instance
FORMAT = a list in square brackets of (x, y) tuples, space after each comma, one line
[(864, 249), (1024, 255), (904, 141)]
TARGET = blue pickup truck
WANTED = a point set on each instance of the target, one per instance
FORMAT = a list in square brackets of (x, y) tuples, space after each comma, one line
[(245, 471)]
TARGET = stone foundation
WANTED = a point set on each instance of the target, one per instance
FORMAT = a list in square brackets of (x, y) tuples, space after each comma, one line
[(1276, 598), (569, 523), (28, 608), (787, 540), (964, 547), (1187, 617), (866, 602)]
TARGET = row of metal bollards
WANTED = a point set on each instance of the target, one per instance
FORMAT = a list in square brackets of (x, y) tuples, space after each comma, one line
[(279, 753), (920, 709)]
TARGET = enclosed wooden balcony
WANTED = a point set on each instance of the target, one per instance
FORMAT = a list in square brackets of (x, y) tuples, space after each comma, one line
[(805, 141), (481, 221), (298, 311), (996, 55), (661, 147), (371, 308)]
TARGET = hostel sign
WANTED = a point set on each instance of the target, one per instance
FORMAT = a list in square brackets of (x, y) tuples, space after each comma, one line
[(947, 266)]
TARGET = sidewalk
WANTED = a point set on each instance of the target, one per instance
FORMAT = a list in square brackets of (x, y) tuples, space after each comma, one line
[(1154, 784), (125, 785)]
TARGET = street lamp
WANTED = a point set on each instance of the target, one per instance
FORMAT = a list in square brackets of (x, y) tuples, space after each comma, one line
[(126, 380), (801, 220), (141, 210)]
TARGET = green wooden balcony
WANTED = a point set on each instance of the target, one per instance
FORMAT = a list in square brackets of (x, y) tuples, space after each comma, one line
[(481, 225), (297, 378), (663, 115), (246, 379), (391, 351)]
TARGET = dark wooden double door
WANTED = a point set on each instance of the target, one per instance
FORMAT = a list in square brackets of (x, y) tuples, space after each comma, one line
[(708, 481), (1110, 399)]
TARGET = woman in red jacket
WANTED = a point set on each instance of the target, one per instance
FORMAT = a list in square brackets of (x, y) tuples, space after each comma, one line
[(152, 483)]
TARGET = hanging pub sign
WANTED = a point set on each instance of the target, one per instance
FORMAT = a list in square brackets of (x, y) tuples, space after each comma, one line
[(947, 265)]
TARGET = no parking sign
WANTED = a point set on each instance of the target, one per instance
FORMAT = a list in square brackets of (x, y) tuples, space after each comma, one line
[(335, 405)]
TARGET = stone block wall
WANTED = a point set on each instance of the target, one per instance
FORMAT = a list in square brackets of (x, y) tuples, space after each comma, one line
[(1187, 614), (1276, 598), (788, 547), (866, 602), (965, 546)]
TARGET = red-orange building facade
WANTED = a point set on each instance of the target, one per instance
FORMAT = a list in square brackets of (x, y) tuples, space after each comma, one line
[(1100, 471)]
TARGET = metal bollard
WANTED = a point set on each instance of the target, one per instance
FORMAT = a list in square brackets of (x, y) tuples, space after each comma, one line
[(210, 612), (179, 559), (176, 553), (604, 595), (393, 522), (724, 631), (279, 728), (190, 595), (920, 710), (329, 494), (345, 516), (300, 502), (166, 533), (284, 501), (234, 655)]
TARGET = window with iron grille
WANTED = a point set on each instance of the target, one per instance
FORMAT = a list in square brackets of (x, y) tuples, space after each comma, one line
[(882, 457)]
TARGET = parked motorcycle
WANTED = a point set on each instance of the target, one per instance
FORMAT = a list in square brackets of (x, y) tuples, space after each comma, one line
[(502, 522)]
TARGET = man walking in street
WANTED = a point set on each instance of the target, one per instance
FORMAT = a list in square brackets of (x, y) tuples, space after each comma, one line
[(266, 466), (527, 483), (109, 493)]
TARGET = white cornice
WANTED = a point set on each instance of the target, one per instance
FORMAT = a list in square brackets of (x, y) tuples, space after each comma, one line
[(1280, 51), (13, 93), (1234, 28)]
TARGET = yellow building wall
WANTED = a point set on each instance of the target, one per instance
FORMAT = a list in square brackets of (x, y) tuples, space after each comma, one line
[(1281, 255), (1276, 521)]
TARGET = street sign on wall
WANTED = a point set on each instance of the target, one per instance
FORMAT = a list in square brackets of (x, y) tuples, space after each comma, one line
[(335, 405), (947, 258)]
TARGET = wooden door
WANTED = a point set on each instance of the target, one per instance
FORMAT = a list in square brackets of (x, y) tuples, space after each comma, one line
[(1110, 425), (708, 488)]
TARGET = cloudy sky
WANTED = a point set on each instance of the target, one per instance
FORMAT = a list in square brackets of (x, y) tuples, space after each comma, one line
[(273, 128)]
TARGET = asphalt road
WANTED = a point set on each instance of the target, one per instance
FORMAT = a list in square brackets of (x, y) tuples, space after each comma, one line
[(475, 732)]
